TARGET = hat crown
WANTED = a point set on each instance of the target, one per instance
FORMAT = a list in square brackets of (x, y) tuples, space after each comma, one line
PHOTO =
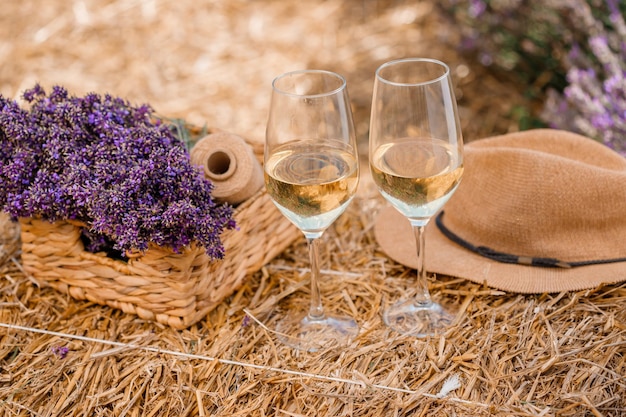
[(542, 193)]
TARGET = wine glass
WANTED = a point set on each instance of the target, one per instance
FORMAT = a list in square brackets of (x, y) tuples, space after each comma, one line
[(416, 161), (311, 173)]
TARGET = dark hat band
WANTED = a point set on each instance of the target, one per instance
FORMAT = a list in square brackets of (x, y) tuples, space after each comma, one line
[(515, 259)]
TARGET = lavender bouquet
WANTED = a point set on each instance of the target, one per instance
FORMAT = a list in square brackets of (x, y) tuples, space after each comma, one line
[(113, 167)]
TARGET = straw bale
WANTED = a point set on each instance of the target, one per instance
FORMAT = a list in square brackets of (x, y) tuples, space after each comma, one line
[(212, 63), (521, 355)]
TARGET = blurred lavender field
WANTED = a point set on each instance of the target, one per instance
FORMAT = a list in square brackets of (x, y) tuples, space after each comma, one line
[(570, 55)]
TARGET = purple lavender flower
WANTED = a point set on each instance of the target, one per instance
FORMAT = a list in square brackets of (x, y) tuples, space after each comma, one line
[(60, 351), (598, 94), (111, 165), (477, 8), (571, 54), (613, 8)]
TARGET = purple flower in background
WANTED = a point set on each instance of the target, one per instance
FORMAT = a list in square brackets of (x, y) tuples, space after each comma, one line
[(599, 96), (614, 9), (477, 8), (570, 54), (113, 166)]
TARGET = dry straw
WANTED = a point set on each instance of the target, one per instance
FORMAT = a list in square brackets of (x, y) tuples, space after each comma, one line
[(520, 355), (212, 61)]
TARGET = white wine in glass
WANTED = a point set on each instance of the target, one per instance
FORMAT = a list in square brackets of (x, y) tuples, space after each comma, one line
[(416, 161), (311, 173)]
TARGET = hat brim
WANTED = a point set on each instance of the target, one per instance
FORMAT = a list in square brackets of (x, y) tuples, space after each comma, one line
[(442, 256)]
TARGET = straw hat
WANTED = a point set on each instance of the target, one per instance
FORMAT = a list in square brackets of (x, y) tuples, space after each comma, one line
[(550, 198)]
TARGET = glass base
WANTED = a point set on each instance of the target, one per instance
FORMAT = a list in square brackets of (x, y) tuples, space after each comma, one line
[(419, 319), (306, 333)]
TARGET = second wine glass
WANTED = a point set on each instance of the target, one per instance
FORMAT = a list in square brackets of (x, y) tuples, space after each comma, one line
[(416, 161), (311, 174)]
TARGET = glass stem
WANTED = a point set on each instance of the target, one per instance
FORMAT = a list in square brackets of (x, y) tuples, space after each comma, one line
[(423, 296), (316, 311)]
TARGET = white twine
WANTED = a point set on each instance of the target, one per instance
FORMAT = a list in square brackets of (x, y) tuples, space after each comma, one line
[(303, 271), (442, 395)]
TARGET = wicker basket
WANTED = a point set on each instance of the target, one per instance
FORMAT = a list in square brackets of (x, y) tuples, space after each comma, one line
[(174, 289)]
